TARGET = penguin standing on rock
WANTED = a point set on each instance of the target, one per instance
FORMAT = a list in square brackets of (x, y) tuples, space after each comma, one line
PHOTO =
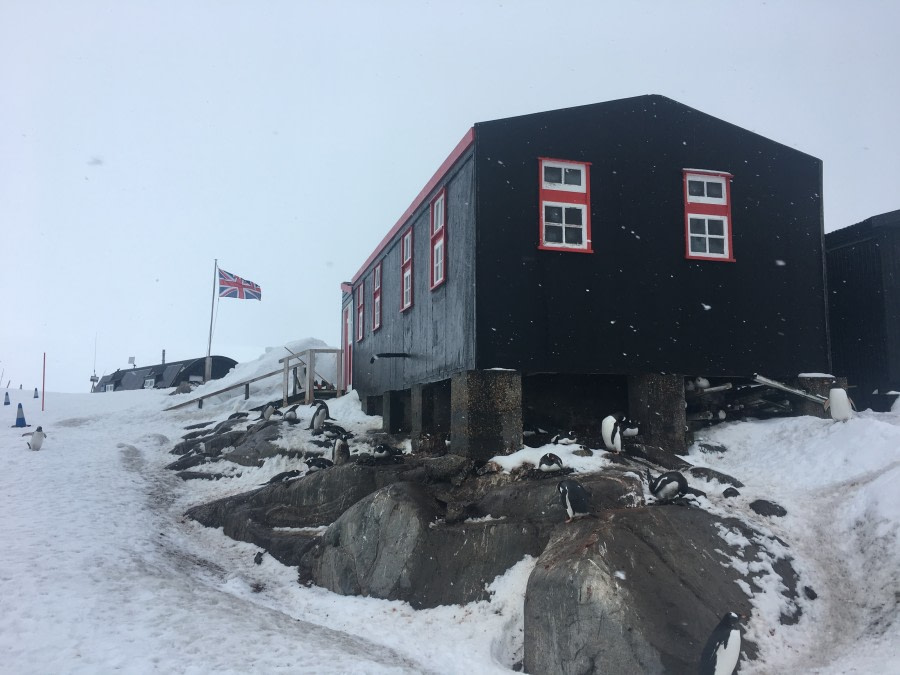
[(611, 430), (575, 499), (37, 438), (667, 486), (723, 648), (340, 452), (550, 462)]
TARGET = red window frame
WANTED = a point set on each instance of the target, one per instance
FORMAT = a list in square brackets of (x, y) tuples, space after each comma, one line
[(406, 268), (376, 298), (438, 237), (360, 312), (705, 208), (564, 196)]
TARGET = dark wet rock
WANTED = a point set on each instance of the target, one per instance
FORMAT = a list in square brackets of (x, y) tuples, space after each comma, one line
[(730, 492), (766, 508), (711, 448), (185, 447), (251, 447), (198, 434), (392, 545), (632, 591), (448, 468), (658, 456), (190, 461), (810, 593), (198, 425), (202, 475), (712, 474)]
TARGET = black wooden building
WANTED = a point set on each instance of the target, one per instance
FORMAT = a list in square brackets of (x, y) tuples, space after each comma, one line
[(565, 264), (164, 375), (864, 303)]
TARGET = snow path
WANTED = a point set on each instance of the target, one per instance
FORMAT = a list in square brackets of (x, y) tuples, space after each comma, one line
[(109, 570), (836, 533)]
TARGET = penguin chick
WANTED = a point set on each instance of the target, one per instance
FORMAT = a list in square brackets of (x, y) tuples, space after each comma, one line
[(723, 648), (550, 462), (611, 430), (340, 452), (575, 499), (667, 486)]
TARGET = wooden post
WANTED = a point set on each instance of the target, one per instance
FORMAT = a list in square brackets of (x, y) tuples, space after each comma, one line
[(246, 391), (284, 385), (310, 375), (339, 369)]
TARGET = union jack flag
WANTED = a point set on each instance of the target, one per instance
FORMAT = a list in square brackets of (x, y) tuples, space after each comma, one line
[(231, 286)]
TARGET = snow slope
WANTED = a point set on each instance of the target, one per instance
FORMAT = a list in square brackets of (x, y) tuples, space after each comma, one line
[(99, 571)]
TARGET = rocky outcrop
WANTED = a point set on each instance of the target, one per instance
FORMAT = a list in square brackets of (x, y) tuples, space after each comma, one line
[(634, 591), (392, 545)]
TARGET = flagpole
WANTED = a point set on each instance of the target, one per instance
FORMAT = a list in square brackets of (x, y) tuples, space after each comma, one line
[(207, 371)]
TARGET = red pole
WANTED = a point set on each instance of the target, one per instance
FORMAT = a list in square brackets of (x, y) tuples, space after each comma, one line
[(44, 382)]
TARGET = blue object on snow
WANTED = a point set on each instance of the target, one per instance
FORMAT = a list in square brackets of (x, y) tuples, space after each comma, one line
[(20, 417)]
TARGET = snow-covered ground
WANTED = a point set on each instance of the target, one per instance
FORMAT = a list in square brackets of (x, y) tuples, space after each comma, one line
[(99, 571)]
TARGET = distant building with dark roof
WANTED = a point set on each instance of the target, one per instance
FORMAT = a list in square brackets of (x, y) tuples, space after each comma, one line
[(864, 306), (164, 375)]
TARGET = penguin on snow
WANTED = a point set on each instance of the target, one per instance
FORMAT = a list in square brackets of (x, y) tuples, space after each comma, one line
[(318, 418), (291, 413), (564, 439), (575, 499), (550, 462), (383, 451), (268, 411), (667, 486), (282, 477), (723, 648), (37, 438), (611, 430)]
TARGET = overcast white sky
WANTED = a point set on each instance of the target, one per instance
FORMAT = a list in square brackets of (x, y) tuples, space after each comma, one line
[(141, 140)]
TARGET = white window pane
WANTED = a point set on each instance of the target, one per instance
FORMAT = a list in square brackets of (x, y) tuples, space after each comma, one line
[(717, 246), (573, 216), (573, 236), (698, 244), (716, 227), (714, 189), (695, 188), (553, 214), (698, 226)]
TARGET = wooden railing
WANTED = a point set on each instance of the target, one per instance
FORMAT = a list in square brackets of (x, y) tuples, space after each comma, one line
[(305, 360)]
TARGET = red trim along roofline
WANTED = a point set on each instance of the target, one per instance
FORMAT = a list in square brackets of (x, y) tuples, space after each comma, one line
[(448, 163)]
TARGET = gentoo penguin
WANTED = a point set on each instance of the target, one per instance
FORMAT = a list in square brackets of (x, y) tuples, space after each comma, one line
[(575, 499), (550, 462), (383, 451), (268, 411), (317, 402), (628, 427), (839, 404), (611, 430), (282, 477), (318, 463), (667, 486), (291, 413), (723, 649), (564, 439), (340, 452), (318, 418), (37, 438)]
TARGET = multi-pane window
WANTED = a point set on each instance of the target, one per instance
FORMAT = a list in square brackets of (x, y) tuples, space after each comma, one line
[(707, 215), (406, 270), (376, 297), (438, 239), (360, 312), (565, 205)]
